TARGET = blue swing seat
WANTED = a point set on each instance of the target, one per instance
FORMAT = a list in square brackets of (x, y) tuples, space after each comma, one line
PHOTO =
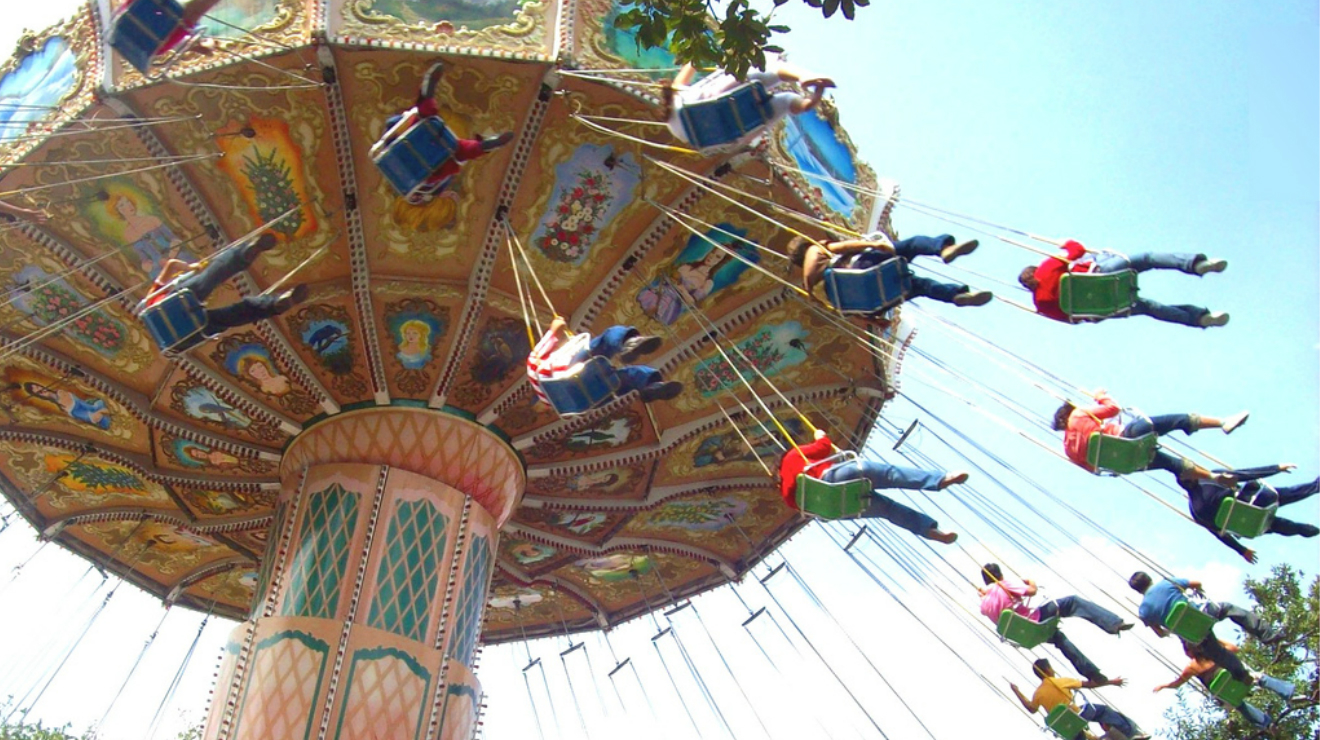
[(871, 290), (140, 30), (1120, 455), (1094, 296), (176, 323), (723, 120), (1189, 623), (1024, 632), (1065, 722), (1245, 518), (412, 150), (584, 387)]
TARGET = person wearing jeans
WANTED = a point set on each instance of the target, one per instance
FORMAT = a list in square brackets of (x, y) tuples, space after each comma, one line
[(1043, 281), (1203, 669), (1055, 690), (177, 276), (1078, 423), (1005, 593), (861, 254), (557, 354), (1159, 599), (811, 459), (1204, 498)]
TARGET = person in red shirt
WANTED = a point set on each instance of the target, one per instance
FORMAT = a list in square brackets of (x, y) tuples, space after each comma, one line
[(177, 275), (1043, 281), (192, 15), (467, 150), (811, 460), (1077, 425)]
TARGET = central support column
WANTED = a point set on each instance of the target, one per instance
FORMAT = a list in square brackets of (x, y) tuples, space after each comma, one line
[(370, 605)]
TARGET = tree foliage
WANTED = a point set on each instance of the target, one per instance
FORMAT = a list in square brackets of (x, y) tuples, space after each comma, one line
[(1281, 599), (696, 32), (13, 726)]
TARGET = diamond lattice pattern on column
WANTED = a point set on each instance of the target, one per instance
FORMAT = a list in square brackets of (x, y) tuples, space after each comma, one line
[(476, 576), (286, 677), (409, 570), (322, 555), (386, 692)]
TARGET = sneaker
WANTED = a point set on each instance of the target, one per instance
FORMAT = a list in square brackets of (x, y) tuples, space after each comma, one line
[(1210, 265), (949, 254), (664, 391), (953, 479), (431, 80), (973, 298), (292, 297), (1235, 421), (1120, 629), (947, 538), (1273, 635), (1214, 318), (642, 344), (264, 243), (496, 142)]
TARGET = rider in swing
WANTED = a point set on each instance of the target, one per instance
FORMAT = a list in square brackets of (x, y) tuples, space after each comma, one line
[(201, 279), (812, 459), (467, 149)]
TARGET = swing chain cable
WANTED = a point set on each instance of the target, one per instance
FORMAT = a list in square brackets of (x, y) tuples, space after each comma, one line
[(655, 643), (132, 670), (695, 180), (527, 262), (531, 699), (737, 684), (87, 628), (85, 127), (563, 660), (584, 121), (715, 335), (92, 178), (923, 622), (118, 160), (522, 299), (178, 675), (745, 441)]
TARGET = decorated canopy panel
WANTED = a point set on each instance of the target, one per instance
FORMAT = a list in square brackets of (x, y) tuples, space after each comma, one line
[(165, 467)]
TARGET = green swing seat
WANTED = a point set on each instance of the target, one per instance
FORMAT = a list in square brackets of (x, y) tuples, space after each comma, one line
[(1094, 296), (1189, 623), (1227, 689), (1023, 632), (1065, 722), (1120, 455), (1243, 518), (827, 500)]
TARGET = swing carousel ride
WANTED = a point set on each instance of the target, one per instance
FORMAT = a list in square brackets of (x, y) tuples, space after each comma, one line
[(356, 479)]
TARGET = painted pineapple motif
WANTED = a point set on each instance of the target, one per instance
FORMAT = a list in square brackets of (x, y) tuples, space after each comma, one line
[(271, 180)]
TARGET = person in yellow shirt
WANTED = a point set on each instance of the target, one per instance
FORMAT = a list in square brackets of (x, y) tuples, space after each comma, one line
[(1055, 690)]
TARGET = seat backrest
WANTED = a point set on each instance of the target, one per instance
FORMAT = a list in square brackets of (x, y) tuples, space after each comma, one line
[(584, 387), (867, 291), (1228, 690), (1024, 632), (1120, 455), (142, 27), (727, 118), (1243, 519), (177, 322), (1188, 622), (1097, 295), (832, 500), (416, 153), (1065, 722)]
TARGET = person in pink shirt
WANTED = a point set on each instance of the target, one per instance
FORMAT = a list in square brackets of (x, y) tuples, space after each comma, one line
[(1005, 593), (1078, 423), (1043, 281)]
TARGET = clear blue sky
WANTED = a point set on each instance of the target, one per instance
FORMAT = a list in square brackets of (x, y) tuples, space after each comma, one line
[(1177, 125)]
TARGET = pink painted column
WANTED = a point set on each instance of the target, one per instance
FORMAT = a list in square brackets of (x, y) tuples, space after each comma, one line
[(374, 586)]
